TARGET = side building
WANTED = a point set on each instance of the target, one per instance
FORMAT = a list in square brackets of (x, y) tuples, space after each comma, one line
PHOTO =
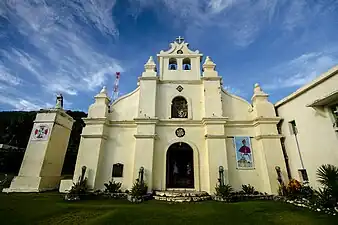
[(310, 127)]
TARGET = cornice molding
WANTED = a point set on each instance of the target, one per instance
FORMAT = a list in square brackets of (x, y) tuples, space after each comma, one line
[(96, 121), (187, 122), (148, 78), (180, 81), (146, 120), (145, 136), (105, 137), (211, 78), (214, 120), (178, 122), (268, 136), (266, 120), (215, 136)]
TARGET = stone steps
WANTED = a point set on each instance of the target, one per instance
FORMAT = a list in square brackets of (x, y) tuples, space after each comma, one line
[(181, 196)]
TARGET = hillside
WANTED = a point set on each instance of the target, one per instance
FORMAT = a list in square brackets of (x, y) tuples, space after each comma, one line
[(15, 129)]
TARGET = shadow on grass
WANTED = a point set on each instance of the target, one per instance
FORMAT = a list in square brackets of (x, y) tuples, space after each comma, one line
[(50, 208)]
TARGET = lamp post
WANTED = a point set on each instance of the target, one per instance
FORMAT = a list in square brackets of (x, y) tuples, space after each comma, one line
[(221, 175), (140, 174)]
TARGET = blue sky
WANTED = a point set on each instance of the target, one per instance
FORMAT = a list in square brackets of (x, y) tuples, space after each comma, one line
[(76, 46)]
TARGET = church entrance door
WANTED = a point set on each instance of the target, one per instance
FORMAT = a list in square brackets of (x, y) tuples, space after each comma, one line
[(180, 166)]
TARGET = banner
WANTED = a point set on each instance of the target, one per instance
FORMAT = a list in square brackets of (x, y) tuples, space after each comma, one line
[(243, 149)]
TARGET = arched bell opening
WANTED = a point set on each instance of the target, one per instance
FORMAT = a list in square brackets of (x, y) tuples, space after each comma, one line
[(172, 64), (186, 64)]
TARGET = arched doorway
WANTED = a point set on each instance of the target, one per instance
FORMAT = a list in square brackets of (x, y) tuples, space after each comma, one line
[(180, 166)]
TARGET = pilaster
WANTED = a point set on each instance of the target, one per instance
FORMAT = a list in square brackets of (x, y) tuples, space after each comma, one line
[(90, 153), (148, 91), (92, 143), (216, 152), (144, 149), (268, 140)]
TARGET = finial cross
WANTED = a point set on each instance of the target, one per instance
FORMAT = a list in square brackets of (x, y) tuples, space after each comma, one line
[(179, 39)]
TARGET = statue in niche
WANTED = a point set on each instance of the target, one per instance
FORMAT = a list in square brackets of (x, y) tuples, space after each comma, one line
[(179, 108)]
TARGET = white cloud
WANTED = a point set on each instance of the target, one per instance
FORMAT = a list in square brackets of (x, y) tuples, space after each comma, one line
[(234, 90), (240, 21), (22, 104), (300, 70), (65, 58), (7, 77)]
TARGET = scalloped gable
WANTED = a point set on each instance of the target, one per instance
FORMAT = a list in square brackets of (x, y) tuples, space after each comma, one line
[(175, 46), (125, 107), (230, 102)]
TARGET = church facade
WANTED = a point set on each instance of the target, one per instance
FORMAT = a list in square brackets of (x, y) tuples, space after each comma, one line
[(183, 130), (179, 128)]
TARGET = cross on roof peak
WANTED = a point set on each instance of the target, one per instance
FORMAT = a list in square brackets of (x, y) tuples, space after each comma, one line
[(179, 39)]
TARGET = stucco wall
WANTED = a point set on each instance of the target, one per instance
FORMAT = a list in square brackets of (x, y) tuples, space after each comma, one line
[(317, 140), (191, 92), (235, 107), (167, 137), (119, 148), (126, 107)]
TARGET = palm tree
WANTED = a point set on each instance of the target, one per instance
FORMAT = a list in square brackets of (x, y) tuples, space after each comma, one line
[(328, 177)]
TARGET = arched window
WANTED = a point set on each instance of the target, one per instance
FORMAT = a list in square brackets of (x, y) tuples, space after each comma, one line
[(186, 64), (179, 107), (172, 64)]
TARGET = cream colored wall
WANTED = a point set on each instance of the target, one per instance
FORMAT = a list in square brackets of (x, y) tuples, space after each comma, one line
[(180, 74), (235, 107), (54, 157), (121, 145), (119, 148), (191, 92), (125, 108), (166, 137), (249, 176), (139, 130), (317, 139)]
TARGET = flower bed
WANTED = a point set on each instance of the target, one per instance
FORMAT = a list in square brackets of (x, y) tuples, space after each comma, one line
[(244, 197), (139, 199)]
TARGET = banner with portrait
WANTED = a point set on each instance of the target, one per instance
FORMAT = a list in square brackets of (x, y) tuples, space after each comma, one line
[(244, 159)]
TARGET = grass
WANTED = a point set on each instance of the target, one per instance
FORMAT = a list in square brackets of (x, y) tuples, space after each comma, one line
[(50, 208)]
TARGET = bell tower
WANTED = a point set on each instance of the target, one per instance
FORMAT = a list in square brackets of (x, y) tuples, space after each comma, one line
[(179, 62)]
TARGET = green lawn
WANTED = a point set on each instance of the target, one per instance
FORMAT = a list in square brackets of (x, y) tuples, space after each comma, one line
[(49, 208)]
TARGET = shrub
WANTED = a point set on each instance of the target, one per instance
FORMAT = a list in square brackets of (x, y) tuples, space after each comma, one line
[(282, 190), (328, 177), (291, 190), (248, 189), (307, 192), (294, 187), (324, 198), (113, 187), (224, 191), (139, 189), (78, 189)]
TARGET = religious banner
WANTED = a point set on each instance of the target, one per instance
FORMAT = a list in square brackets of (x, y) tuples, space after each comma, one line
[(243, 149), (40, 132)]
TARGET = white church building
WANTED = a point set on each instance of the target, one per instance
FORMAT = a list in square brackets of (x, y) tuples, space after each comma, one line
[(179, 125)]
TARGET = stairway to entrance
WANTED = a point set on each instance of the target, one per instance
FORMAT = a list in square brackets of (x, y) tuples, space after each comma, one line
[(181, 196)]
